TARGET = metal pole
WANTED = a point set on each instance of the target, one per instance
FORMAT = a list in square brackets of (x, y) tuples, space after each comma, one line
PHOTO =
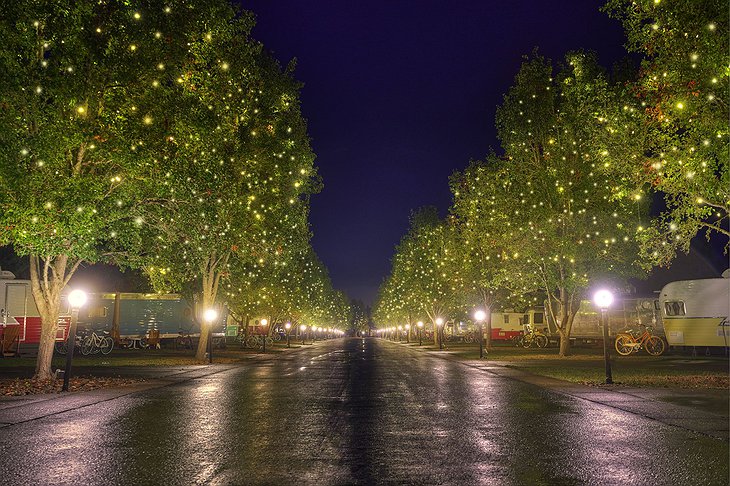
[(420, 341), (288, 336), (264, 341), (70, 347), (440, 336), (606, 356), (481, 342), (210, 343)]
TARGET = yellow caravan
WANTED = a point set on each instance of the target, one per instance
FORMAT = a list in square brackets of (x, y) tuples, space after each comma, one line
[(695, 312)]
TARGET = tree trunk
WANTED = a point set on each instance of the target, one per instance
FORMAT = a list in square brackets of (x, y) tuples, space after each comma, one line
[(47, 279), (567, 315), (564, 344), (211, 277)]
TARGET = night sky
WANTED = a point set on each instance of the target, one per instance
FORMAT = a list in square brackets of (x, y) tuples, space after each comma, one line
[(400, 94)]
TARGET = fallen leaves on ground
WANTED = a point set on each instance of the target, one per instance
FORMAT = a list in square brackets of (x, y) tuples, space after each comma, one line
[(27, 386)]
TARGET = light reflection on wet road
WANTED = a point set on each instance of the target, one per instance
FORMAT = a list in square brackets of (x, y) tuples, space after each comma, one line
[(354, 411)]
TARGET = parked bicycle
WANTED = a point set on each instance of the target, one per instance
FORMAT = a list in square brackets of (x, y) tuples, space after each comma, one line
[(533, 338), (628, 342), (257, 341), (183, 340), (61, 347), (97, 343)]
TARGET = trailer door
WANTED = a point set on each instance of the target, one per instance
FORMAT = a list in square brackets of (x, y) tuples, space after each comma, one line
[(16, 305)]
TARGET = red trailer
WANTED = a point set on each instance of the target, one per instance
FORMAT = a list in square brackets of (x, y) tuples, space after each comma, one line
[(17, 308)]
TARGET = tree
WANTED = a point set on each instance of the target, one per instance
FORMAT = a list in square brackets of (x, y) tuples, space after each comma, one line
[(419, 278), (477, 244), (78, 81), (238, 171), (559, 226), (671, 132)]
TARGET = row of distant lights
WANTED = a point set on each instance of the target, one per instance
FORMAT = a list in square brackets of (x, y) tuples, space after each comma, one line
[(603, 299)]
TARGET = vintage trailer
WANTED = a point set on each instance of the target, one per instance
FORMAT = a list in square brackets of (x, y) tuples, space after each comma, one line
[(695, 312), (506, 325), (17, 308), (134, 315), (625, 313)]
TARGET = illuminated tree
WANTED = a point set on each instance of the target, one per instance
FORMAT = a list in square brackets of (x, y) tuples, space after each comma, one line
[(419, 282), (478, 243), (671, 133), (558, 223), (82, 89), (239, 169)]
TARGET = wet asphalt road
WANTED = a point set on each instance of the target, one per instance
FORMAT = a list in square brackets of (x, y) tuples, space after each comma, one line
[(354, 411)]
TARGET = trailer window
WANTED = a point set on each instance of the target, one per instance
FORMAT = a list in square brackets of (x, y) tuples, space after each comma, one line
[(538, 317), (506, 318), (99, 311), (674, 308)]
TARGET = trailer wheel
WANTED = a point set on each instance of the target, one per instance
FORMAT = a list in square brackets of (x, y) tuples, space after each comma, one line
[(655, 346)]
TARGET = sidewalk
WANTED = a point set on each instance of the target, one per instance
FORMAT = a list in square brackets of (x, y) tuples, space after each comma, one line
[(19, 409), (703, 411)]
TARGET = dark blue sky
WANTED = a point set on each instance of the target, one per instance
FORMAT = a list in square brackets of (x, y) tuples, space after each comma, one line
[(400, 94)]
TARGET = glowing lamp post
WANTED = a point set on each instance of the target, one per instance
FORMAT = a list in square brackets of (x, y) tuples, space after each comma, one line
[(264, 322), (400, 333), (302, 328), (287, 326), (479, 316), (603, 300), (408, 333), (209, 316), (76, 299), (439, 334), (419, 324)]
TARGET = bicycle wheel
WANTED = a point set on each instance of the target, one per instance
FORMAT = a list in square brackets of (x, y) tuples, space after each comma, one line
[(468, 339), (269, 341), (541, 341), (107, 344), (526, 341), (277, 337), (87, 346), (624, 344), (251, 342), (60, 347), (654, 346)]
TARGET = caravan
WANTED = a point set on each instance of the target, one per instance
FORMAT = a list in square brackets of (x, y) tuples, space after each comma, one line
[(18, 310), (695, 312)]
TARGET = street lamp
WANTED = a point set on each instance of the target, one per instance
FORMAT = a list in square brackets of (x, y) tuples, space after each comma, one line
[(420, 327), (209, 316), (302, 328), (439, 334), (603, 299), (76, 299), (408, 334), (479, 316), (264, 322), (288, 327), (400, 333)]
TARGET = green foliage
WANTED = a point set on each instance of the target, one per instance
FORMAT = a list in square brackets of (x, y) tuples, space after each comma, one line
[(673, 136)]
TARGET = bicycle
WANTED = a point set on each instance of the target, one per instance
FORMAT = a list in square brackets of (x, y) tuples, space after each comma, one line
[(61, 347), (628, 342), (95, 343), (183, 340), (535, 338), (257, 341)]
